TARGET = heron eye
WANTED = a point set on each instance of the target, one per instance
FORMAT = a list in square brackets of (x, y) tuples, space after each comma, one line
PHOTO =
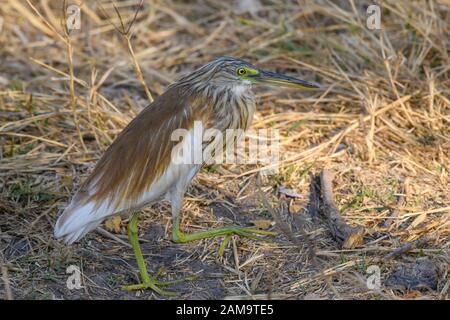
[(241, 71)]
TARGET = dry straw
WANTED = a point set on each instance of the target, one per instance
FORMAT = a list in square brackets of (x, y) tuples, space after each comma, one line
[(381, 125)]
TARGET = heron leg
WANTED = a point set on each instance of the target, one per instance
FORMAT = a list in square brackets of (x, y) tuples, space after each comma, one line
[(180, 237), (147, 282)]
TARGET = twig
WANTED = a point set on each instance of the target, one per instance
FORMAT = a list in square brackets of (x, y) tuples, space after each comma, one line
[(349, 237), (419, 242), (73, 97), (8, 291), (126, 33), (11, 115), (401, 199), (137, 68), (111, 236)]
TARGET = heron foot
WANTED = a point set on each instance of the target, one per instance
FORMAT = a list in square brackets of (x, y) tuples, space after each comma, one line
[(148, 282), (154, 284)]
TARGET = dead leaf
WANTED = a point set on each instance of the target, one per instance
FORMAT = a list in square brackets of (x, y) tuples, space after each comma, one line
[(159, 36), (354, 240), (262, 224), (295, 207), (412, 295), (418, 220), (66, 181), (289, 192), (114, 224)]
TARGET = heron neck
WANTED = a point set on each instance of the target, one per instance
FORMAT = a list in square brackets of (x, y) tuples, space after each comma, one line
[(233, 107)]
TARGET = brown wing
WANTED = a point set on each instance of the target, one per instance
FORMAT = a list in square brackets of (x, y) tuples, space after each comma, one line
[(140, 154), (142, 151)]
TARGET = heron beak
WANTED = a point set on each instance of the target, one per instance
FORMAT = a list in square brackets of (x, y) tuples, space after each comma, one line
[(273, 78)]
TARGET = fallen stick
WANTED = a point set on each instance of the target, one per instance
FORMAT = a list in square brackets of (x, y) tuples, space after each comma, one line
[(111, 236), (347, 236), (419, 242)]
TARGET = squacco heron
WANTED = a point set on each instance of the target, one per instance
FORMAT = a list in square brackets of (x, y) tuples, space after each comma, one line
[(138, 169)]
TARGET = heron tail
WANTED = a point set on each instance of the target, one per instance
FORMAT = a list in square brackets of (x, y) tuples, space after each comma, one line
[(79, 218)]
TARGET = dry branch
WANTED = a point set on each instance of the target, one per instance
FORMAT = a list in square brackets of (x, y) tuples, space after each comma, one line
[(419, 242), (126, 33), (349, 237)]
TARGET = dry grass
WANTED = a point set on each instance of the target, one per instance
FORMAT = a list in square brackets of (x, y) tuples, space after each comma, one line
[(382, 125)]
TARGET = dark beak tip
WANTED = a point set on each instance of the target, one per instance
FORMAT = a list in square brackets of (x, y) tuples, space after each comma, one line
[(311, 85), (267, 76)]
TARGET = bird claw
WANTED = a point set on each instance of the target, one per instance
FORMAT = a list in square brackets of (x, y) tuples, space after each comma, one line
[(244, 232), (154, 284)]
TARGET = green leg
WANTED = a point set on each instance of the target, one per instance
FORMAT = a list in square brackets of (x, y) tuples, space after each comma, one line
[(179, 237), (148, 282)]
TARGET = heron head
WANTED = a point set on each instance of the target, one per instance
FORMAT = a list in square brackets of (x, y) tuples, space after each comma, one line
[(233, 72), (229, 71)]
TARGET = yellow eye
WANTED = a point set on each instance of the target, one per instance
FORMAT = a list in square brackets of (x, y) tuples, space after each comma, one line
[(241, 71)]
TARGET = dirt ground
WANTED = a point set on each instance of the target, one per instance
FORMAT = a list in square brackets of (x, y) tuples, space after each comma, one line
[(381, 124)]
